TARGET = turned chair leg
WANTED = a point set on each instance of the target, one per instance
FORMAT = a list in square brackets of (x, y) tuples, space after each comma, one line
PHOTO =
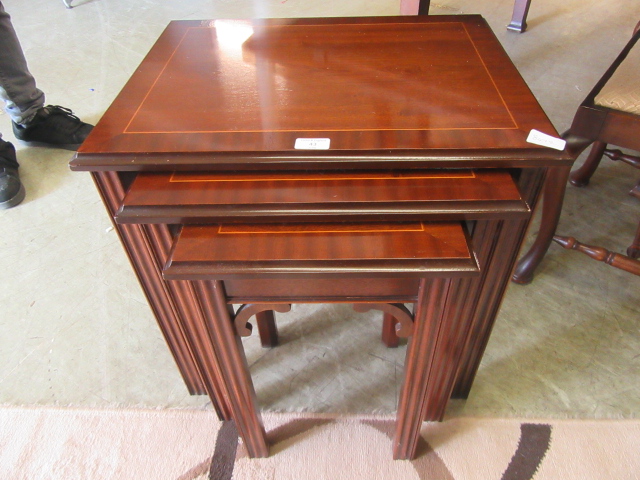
[(616, 155), (602, 255), (581, 176)]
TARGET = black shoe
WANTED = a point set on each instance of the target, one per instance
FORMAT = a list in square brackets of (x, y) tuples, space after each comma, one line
[(11, 189), (54, 125)]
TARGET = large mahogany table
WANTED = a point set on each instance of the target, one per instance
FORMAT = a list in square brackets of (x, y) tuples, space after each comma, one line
[(376, 161)]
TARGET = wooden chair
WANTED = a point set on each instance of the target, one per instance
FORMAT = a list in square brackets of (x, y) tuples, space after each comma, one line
[(609, 115)]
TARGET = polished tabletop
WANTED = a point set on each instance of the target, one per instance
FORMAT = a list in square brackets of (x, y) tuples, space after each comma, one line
[(380, 85)]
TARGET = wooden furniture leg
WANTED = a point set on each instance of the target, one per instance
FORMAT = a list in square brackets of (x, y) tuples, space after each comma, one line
[(423, 348), (173, 303), (267, 328), (414, 7), (265, 318), (634, 249), (616, 155), (553, 196), (485, 295), (450, 347), (496, 244), (602, 255), (232, 362), (389, 336), (581, 176), (519, 18), (141, 247)]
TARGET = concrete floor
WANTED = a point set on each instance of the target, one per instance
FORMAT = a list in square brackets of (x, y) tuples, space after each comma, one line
[(75, 328)]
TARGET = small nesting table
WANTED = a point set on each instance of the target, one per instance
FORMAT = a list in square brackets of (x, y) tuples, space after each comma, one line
[(381, 162)]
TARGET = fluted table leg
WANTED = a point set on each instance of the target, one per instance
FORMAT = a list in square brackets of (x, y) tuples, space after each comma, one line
[(422, 353), (232, 363)]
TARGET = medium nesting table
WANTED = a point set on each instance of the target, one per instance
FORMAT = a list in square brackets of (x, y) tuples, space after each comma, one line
[(380, 161)]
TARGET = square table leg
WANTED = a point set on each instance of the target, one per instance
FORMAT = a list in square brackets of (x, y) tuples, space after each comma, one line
[(470, 313), (423, 348), (497, 248), (173, 303), (232, 364), (148, 268), (496, 243)]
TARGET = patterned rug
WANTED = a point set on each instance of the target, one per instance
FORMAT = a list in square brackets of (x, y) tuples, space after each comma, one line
[(69, 444)]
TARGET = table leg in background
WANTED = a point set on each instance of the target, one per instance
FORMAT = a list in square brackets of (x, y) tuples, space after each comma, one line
[(519, 18)]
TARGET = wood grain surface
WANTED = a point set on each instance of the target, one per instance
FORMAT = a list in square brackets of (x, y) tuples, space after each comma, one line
[(211, 90), (322, 196), (337, 250)]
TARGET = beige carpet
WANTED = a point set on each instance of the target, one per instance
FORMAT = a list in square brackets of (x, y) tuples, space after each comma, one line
[(180, 444)]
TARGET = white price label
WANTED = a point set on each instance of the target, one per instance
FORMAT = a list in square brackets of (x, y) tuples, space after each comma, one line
[(545, 140), (312, 143)]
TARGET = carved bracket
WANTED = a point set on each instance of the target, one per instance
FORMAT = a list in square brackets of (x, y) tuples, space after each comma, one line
[(245, 312), (404, 327)]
